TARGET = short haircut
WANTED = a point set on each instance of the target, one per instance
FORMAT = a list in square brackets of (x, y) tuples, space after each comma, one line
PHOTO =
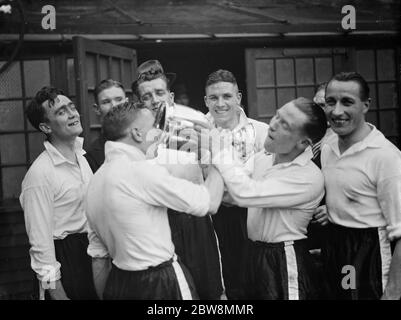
[(220, 76), (356, 77), (316, 126), (119, 119), (106, 84), (149, 76), (35, 112), (321, 86)]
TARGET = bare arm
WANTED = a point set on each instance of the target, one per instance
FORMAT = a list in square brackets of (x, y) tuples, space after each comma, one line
[(393, 288), (58, 292), (101, 269)]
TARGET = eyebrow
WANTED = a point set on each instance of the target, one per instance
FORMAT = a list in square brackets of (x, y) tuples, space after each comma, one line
[(64, 106), (283, 120)]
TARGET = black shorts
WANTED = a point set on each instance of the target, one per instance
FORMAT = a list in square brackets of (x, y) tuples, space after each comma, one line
[(279, 271), (196, 245), (169, 280), (364, 252), (76, 267)]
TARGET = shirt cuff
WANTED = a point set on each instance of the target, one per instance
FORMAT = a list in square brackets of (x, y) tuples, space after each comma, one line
[(48, 275), (394, 232)]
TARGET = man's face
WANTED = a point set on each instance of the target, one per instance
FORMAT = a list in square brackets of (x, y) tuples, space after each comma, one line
[(152, 93), (286, 129), (344, 109), (108, 99), (63, 119), (223, 101)]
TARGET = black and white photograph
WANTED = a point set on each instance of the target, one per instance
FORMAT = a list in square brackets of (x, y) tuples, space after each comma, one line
[(219, 151)]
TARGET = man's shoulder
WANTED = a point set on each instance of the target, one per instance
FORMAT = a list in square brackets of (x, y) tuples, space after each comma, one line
[(40, 169)]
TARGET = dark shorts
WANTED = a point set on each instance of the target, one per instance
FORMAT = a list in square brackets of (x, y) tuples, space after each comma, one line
[(230, 224), (76, 267), (366, 253), (169, 280), (279, 271), (196, 244)]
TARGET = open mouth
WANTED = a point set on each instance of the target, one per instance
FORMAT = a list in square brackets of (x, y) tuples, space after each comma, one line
[(73, 123), (339, 122), (221, 111)]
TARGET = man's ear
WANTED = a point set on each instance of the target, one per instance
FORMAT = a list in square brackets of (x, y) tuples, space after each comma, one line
[(96, 109), (306, 142), (366, 105), (172, 96), (205, 99), (45, 128), (136, 135), (239, 97), (126, 99)]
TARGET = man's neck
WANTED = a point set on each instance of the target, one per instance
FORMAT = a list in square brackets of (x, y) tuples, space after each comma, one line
[(286, 157), (229, 124), (65, 147), (345, 142)]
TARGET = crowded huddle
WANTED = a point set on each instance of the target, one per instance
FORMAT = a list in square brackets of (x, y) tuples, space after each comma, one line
[(305, 207)]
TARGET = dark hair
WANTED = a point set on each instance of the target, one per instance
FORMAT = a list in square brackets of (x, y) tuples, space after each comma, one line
[(321, 86), (106, 84), (149, 76), (316, 126), (220, 76), (118, 120), (356, 77), (35, 112)]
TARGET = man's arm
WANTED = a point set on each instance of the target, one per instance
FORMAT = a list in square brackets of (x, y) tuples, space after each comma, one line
[(393, 288), (215, 185), (101, 263), (37, 203), (101, 268)]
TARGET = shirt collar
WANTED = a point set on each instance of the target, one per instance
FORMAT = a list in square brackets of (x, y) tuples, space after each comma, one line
[(57, 157), (243, 119), (302, 159), (113, 149), (374, 139)]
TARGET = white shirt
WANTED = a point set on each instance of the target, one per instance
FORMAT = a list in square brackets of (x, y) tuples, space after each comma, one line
[(363, 185), (52, 198), (281, 198), (127, 204), (248, 138)]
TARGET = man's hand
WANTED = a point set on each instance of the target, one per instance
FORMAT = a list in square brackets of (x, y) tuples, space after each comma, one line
[(58, 293), (321, 216)]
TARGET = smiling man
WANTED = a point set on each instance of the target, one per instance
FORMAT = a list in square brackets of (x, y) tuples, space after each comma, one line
[(52, 199), (108, 94), (281, 196), (223, 100), (362, 171)]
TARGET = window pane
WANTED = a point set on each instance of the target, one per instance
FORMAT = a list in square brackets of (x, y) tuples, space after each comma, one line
[(388, 123), (304, 71), (127, 75), (284, 96), (12, 148), (306, 92), (115, 69), (371, 117), (91, 70), (285, 71), (11, 115), (103, 72), (36, 144), (324, 69), (10, 81), (365, 64), (264, 72), (37, 75), (266, 102), (387, 95), (386, 65), (71, 77), (12, 179)]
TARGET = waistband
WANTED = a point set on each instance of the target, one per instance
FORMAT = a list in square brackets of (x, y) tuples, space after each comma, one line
[(279, 244), (162, 265)]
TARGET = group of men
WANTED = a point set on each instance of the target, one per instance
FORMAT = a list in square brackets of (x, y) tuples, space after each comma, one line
[(118, 223)]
